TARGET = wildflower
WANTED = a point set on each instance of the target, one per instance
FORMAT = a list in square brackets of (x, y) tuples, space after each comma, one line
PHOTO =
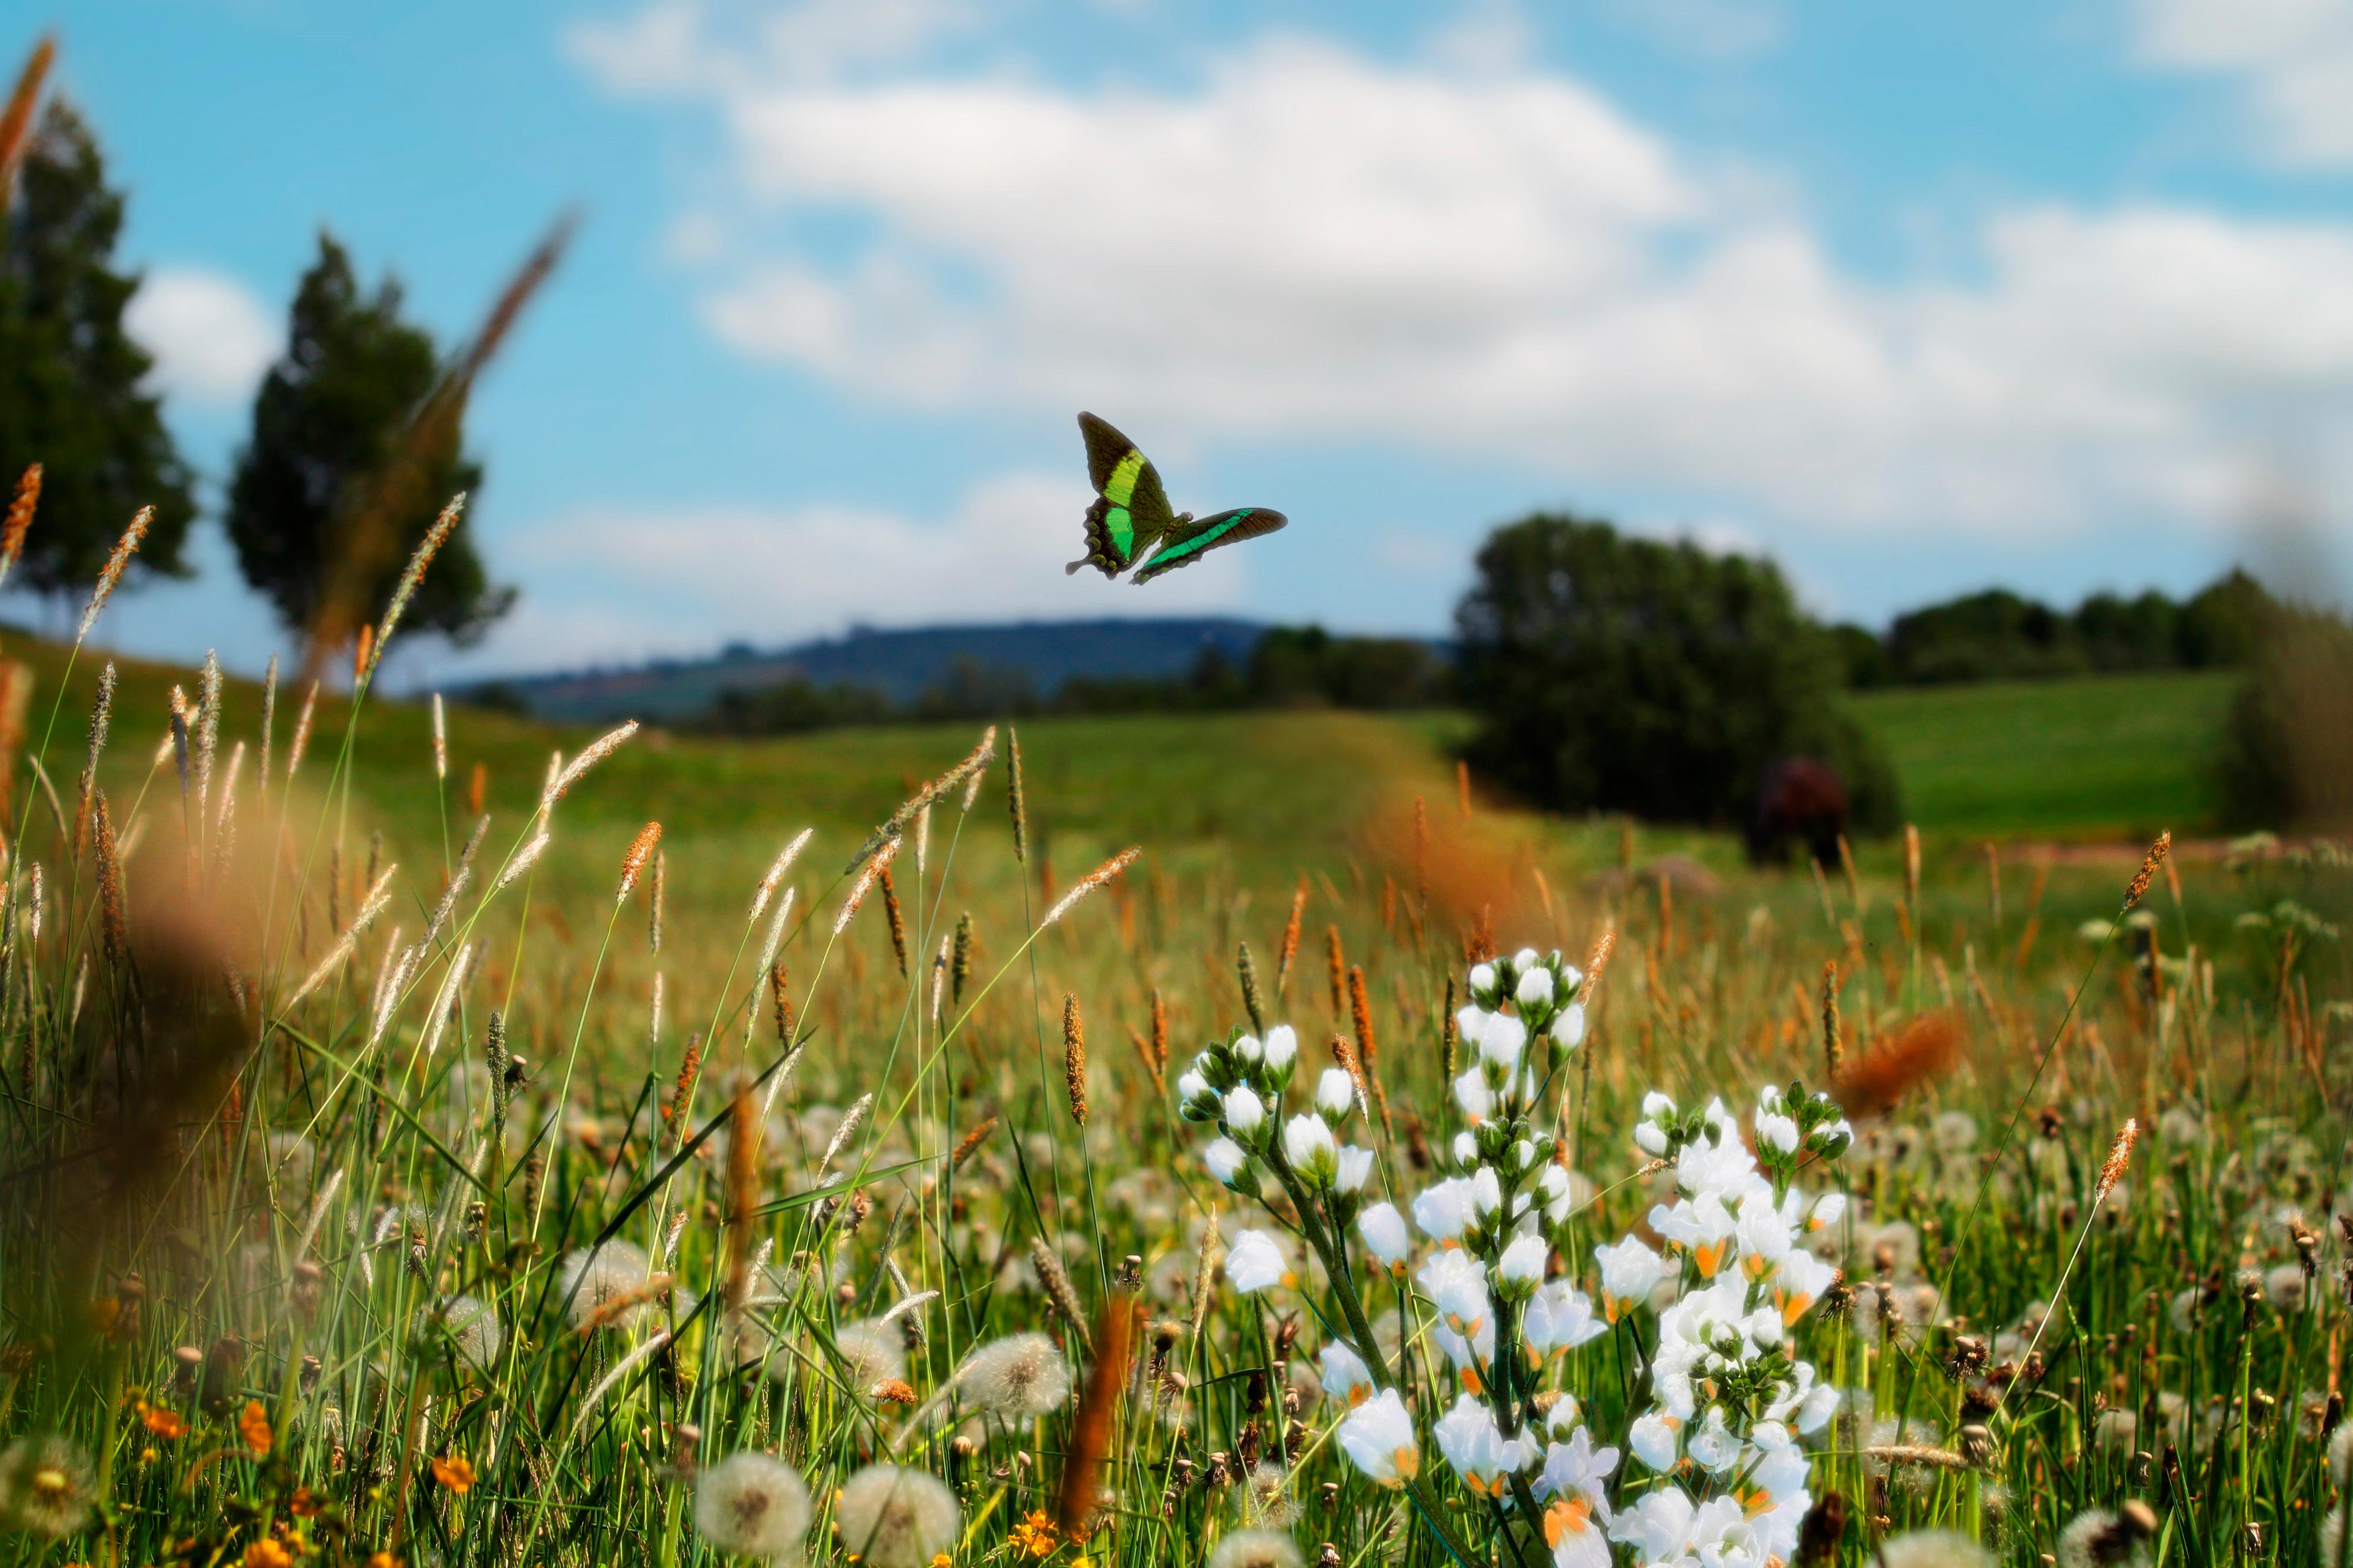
[(893, 1518), (1443, 1209), (1477, 1449), (1347, 1378), (753, 1504), (253, 1425), (1521, 1268), (162, 1423), (1245, 1113), (2283, 1286), (1383, 1231), (1459, 1288), (1228, 1161), (1652, 1437), (1021, 1376), (1558, 1318), (1378, 1436), (1307, 1145), (45, 1487), (1355, 1168), (1256, 1549), (1281, 1051), (456, 1472), (267, 1553), (1257, 1262), (1335, 1094), (1035, 1536), (1629, 1271), (1535, 989), (1577, 1469)]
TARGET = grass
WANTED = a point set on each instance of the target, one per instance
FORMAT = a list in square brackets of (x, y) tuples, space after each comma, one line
[(2116, 756), (237, 1211)]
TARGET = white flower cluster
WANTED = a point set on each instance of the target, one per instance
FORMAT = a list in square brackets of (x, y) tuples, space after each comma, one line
[(1727, 1391), (1240, 1085)]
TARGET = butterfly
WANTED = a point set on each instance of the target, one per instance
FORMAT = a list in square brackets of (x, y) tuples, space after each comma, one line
[(1131, 516)]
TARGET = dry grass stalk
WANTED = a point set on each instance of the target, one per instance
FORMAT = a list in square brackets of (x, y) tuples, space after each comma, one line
[(864, 885), (1290, 938), (634, 863), (441, 743), (1346, 1054), (1462, 790), (1595, 962), (1015, 805), (115, 923), (111, 574), (1090, 883), (743, 1198), (1092, 1427), (780, 1000), (429, 546), (970, 1143), (1877, 1080), (776, 869), (2148, 865), (1159, 1031), (1059, 1289), (302, 741), (29, 491), (682, 1094), (595, 752), (2118, 1161), (1075, 1058), (378, 896), (894, 917), (1335, 968), (1360, 1010), (17, 119), (1833, 1040)]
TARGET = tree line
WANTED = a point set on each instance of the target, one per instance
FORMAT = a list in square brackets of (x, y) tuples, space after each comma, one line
[(356, 437)]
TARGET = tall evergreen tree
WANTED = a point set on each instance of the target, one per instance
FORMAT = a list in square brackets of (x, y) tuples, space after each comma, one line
[(355, 450), (70, 375)]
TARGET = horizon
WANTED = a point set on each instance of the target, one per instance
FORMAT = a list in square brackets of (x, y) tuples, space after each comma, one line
[(1914, 305)]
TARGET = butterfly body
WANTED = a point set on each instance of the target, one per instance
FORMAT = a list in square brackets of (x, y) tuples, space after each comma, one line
[(1130, 517)]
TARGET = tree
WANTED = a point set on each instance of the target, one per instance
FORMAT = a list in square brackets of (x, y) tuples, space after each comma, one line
[(1623, 674), (69, 374), (346, 407)]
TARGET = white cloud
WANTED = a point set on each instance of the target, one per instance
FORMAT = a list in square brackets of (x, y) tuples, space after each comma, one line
[(1312, 243), (211, 338), (2294, 56), (675, 46), (1707, 30), (682, 581)]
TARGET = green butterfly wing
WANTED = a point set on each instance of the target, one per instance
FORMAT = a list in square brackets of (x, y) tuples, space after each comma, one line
[(1131, 510), (1194, 540)]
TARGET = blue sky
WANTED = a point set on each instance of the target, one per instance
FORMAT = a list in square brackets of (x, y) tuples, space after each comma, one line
[(1915, 298)]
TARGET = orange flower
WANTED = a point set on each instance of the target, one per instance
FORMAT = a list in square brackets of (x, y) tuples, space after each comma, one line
[(253, 1425), (383, 1560), (894, 1391), (266, 1553), (456, 1472), (304, 1503), (1035, 1536), (161, 1422)]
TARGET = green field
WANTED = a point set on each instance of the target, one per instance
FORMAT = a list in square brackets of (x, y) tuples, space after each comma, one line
[(2099, 757)]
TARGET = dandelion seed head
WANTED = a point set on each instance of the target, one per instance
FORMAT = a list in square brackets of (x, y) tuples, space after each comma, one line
[(45, 1486), (1256, 1549), (751, 1504), (893, 1518), (1021, 1377), (472, 1325), (595, 1277), (1932, 1548), (872, 1352)]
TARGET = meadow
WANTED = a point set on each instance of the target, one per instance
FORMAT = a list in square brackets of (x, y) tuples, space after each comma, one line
[(464, 1143)]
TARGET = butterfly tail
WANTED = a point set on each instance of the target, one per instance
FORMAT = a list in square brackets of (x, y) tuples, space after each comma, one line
[(1072, 569)]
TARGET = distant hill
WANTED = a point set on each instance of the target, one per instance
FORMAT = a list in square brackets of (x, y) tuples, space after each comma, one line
[(902, 663)]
